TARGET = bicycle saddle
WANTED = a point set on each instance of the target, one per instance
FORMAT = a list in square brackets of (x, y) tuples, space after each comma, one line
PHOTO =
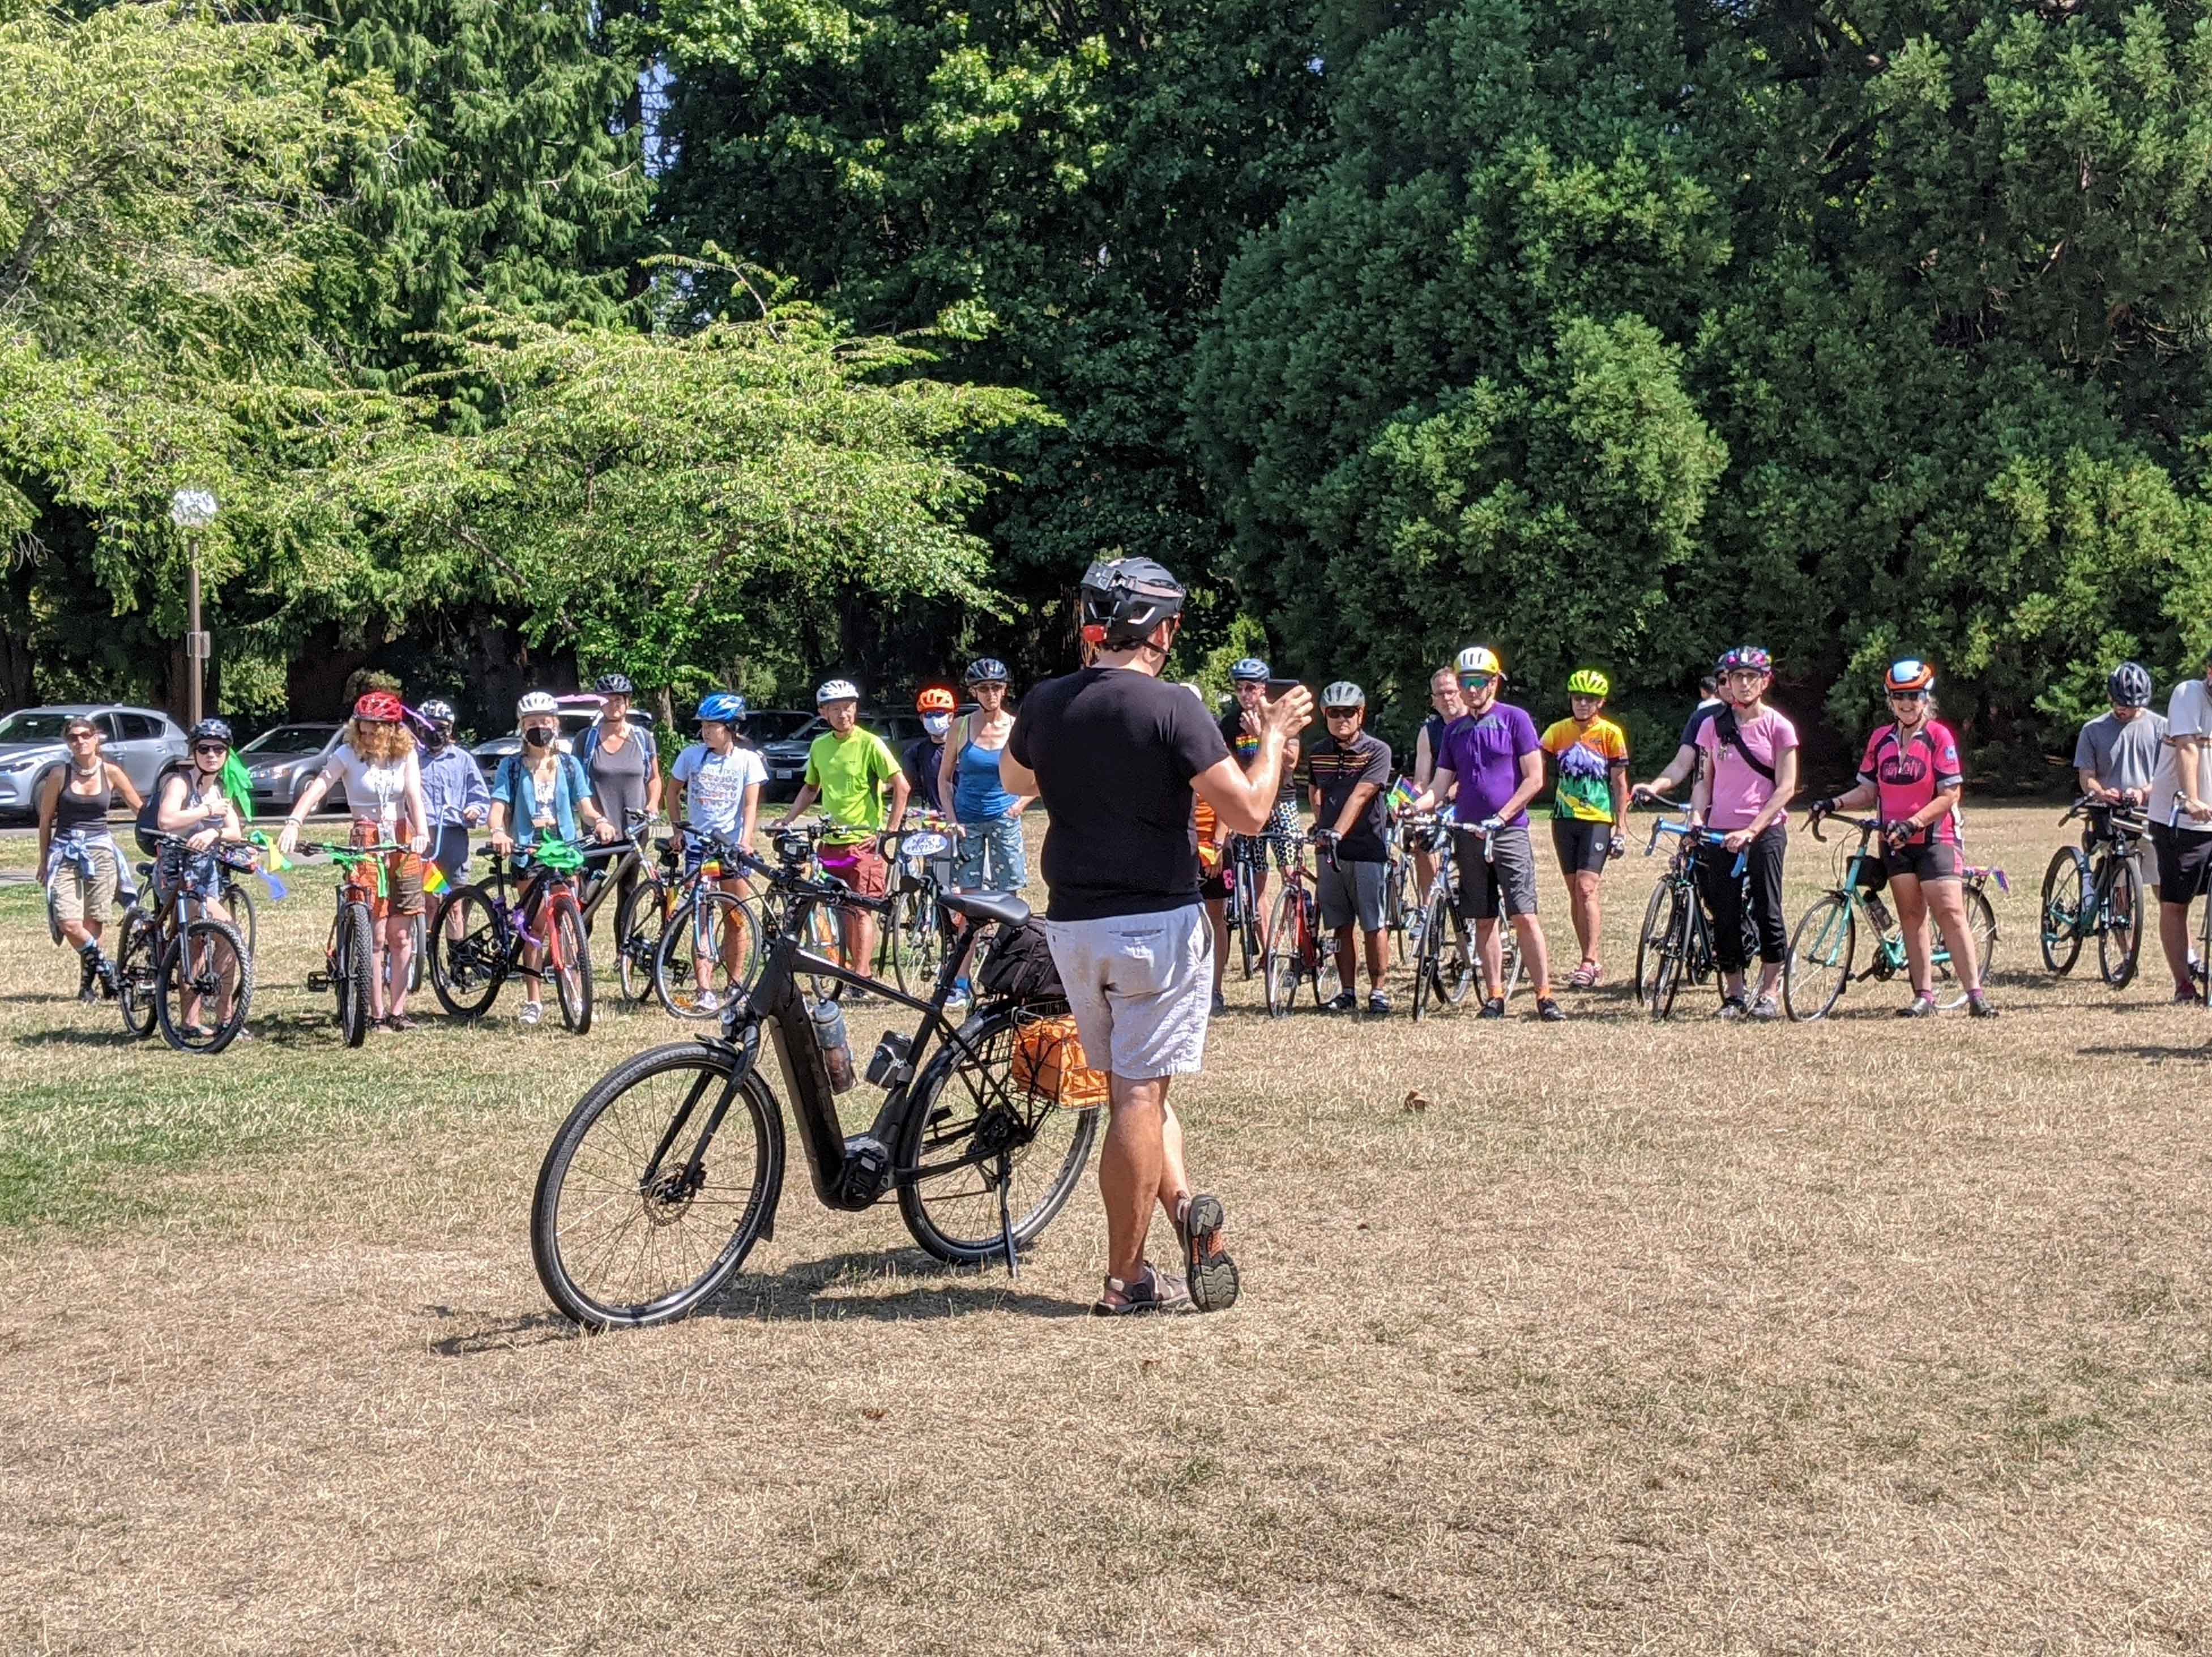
[(1001, 906)]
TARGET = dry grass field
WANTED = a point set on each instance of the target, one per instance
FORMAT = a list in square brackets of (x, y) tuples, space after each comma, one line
[(1864, 1336)]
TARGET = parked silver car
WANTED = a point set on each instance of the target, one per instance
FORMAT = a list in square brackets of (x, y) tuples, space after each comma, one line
[(142, 740), (282, 761)]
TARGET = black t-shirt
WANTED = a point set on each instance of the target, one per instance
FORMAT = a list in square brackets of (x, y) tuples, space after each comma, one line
[(1336, 771), (921, 761), (1698, 715), (1113, 752), (1246, 747)]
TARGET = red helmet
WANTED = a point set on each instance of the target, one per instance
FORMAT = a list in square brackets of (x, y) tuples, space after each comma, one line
[(380, 707), (935, 700)]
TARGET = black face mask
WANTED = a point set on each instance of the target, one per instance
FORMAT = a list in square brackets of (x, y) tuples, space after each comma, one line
[(438, 738), (537, 739)]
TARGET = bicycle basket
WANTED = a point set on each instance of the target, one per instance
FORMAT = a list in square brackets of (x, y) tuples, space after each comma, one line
[(1049, 1064)]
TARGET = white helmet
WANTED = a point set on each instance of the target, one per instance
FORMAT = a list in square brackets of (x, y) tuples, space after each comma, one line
[(535, 701), (837, 690), (1344, 694), (1481, 658)]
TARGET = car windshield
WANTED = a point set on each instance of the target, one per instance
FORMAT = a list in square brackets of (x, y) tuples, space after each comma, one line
[(775, 724), (291, 739), (32, 725)]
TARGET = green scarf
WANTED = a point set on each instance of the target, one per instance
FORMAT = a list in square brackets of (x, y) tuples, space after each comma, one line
[(237, 785)]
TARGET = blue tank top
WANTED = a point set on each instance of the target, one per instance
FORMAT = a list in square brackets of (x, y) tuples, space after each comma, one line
[(977, 793)]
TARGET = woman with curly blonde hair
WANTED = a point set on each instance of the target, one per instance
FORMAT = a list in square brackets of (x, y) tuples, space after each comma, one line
[(384, 791)]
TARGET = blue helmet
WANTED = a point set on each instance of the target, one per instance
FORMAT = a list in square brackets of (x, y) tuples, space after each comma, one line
[(722, 707), (1250, 668)]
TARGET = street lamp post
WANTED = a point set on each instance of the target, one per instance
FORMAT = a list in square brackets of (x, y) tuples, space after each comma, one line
[(192, 511)]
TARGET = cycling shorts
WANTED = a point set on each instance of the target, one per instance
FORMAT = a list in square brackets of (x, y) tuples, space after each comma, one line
[(2185, 857), (1583, 847), (1938, 861)]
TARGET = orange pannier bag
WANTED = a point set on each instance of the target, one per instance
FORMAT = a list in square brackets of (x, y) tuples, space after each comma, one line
[(1048, 1062)]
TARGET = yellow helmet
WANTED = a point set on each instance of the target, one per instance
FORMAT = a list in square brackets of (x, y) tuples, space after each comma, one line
[(1479, 659), (1587, 681)]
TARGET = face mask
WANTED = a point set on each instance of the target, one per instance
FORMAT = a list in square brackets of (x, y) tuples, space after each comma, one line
[(438, 738), (937, 724), (538, 736)]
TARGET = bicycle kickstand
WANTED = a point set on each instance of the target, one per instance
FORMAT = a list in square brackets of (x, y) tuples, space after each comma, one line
[(1006, 1215)]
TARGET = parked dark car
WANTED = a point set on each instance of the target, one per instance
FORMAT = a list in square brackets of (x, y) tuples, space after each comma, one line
[(281, 762), (786, 759)]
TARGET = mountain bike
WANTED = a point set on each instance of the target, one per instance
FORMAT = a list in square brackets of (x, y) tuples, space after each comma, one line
[(1818, 969), (349, 950), (1676, 944), (480, 933), (174, 957), (669, 1169), (1297, 947), (710, 947), (642, 914), (2101, 897), (1444, 968)]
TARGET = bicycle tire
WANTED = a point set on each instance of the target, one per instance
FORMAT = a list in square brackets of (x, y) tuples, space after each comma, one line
[(708, 916), (238, 898), (2202, 974), (214, 956), (1675, 954), (1811, 990), (1509, 957), (1278, 966), (469, 953), (890, 954), (1252, 941), (1320, 951), (1651, 941), (1426, 978), (2119, 946), (352, 968), (2065, 899), (1982, 923), (135, 969), (924, 945), (966, 1092), (568, 958), (607, 1186), (825, 938), (641, 923)]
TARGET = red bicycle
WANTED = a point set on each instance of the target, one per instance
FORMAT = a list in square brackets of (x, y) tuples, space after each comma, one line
[(1297, 950)]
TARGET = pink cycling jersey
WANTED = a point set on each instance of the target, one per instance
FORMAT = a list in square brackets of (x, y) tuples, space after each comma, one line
[(1907, 772)]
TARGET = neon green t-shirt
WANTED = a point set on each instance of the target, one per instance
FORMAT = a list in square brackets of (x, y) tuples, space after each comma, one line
[(1584, 791), (852, 774)]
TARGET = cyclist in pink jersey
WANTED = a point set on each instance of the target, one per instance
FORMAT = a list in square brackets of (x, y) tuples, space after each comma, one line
[(1746, 777), (1912, 775)]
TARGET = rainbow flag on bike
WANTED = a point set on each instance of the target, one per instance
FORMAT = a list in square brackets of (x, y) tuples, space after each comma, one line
[(1403, 794), (434, 878)]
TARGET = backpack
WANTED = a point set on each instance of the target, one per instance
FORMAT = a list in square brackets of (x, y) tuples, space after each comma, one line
[(148, 823), (1019, 966)]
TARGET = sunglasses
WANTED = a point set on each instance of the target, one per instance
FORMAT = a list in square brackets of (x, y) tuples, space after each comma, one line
[(1340, 713), (214, 748), (84, 735), (1908, 695), (1476, 681)]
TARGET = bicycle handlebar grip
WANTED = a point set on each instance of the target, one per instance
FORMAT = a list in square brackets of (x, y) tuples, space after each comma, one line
[(1742, 862)]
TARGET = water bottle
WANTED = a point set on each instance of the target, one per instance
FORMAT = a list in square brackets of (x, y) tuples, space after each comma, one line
[(836, 1048), (1880, 911)]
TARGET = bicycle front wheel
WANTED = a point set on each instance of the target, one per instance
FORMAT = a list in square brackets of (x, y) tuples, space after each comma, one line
[(1651, 944), (971, 1137), (1251, 941), (633, 1221), (351, 967), (238, 898), (2120, 935), (136, 974), (569, 959), (468, 953), (1819, 964), (204, 987), (2065, 901), (1674, 952), (713, 939), (1278, 965)]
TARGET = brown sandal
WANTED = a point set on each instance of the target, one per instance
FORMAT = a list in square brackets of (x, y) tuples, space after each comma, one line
[(1213, 1275), (1155, 1291)]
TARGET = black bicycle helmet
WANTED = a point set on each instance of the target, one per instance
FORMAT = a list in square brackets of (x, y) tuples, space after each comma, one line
[(438, 711), (988, 670), (213, 731), (2128, 686), (1125, 598), (614, 684)]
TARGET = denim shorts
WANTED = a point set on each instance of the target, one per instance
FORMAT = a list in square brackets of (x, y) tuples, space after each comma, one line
[(991, 858)]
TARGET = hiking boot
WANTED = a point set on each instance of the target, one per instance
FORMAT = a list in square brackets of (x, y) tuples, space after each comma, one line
[(1212, 1277), (87, 971)]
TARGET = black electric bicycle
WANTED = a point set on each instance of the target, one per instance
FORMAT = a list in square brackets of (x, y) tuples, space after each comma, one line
[(670, 1169)]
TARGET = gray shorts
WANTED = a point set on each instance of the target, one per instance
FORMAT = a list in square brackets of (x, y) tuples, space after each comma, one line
[(1350, 891), (1141, 988), (1508, 878)]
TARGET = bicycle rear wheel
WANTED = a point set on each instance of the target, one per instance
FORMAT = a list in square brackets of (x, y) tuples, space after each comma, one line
[(1819, 964), (134, 973), (716, 930), (2065, 901), (1251, 941), (623, 1232), (962, 1118), (1675, 959), (1651, 941), (1982, 927), (640, 922), (1278, 965), (468, 953), (204, 968), (351, 967), (569, 960), (2119, 932)]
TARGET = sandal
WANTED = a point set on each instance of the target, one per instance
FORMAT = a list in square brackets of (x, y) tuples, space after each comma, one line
[(1211, 1273), (1155, 1291), (1585, 976), (399, 1020)]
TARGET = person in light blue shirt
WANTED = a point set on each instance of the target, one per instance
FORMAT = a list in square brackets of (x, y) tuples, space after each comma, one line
[(453, 791)]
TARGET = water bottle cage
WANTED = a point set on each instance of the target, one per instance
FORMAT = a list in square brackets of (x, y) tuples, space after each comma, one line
[(888, 1067)]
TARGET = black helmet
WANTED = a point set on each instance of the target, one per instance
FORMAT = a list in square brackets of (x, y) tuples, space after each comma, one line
[(614, 684), (213, 731), (1125, 598), (2129, 685), (438, 711), (987, 670)]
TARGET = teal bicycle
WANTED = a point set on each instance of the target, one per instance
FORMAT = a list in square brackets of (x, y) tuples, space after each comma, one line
[(2101, 897), (1824, 945)]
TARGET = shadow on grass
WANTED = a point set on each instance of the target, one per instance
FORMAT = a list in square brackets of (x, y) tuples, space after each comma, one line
[(117, 1037), (2151, 1053), (806, 1291)]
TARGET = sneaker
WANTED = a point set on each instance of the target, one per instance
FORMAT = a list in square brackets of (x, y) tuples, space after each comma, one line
[(1732, 1007), (1765, 1007), (1493, 1008), (1220, 1003), (1342, 1001), (706, 1001), (1978, 1005), (532, 1012), (1921, 1006), (2187, 997), (1550, 1010), (1377, 1002)]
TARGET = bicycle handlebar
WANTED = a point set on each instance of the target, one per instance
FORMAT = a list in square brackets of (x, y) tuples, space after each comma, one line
[(1700, 834)]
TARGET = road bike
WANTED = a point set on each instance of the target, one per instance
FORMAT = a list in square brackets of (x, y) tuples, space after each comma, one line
[(1444, 969), (1298, 949), (1400, 902), (642, 915), (1246, 859), (174, 957), (480, 934), (2097, 897), (1818, 969), (1676, 944), (670, 1169)]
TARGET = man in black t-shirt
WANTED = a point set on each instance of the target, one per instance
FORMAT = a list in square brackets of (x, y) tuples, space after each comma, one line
[(1683, 768), (1349, 770), (1115, 755)]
